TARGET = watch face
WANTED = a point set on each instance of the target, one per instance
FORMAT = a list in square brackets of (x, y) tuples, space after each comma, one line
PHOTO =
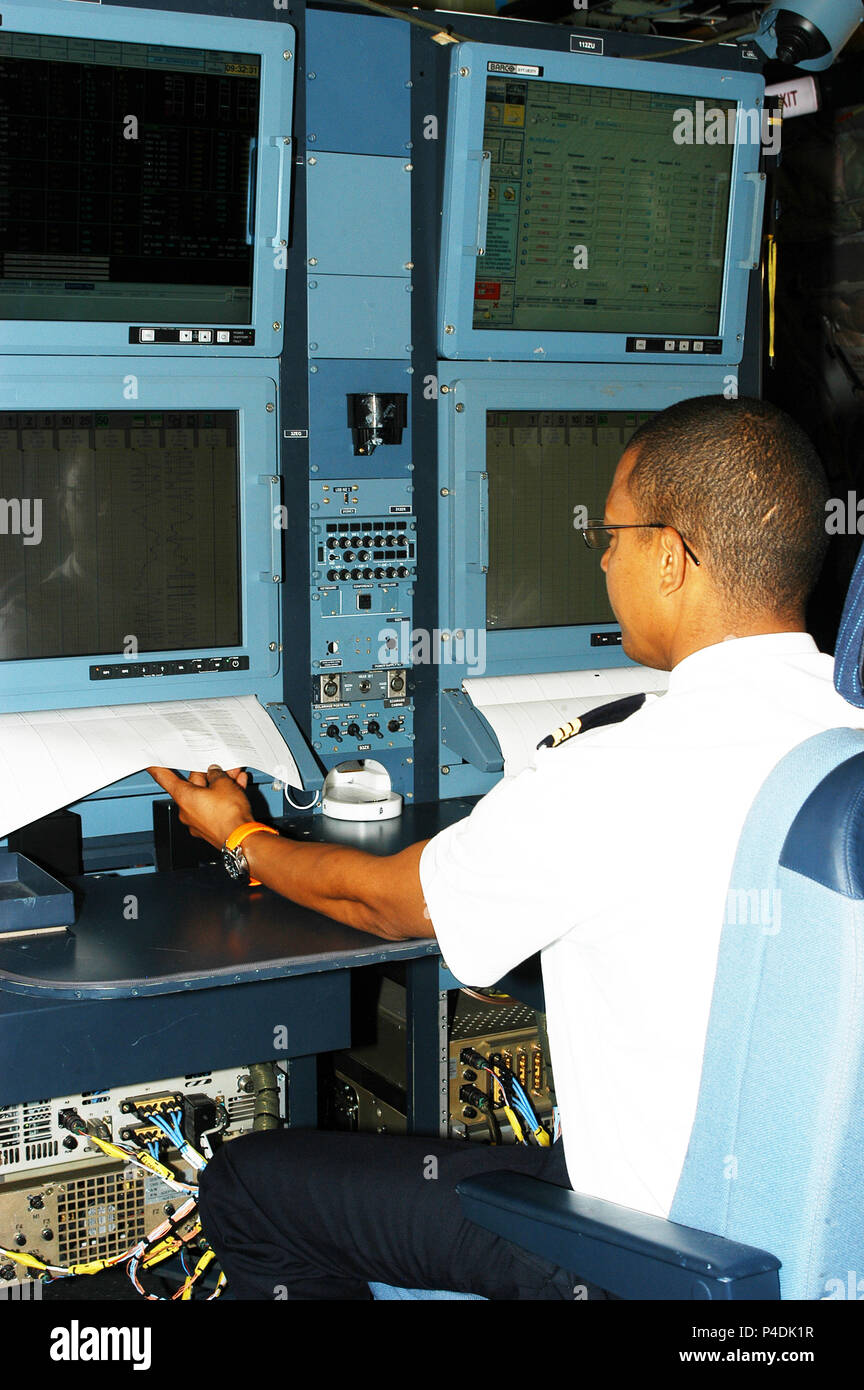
[(235, 863)]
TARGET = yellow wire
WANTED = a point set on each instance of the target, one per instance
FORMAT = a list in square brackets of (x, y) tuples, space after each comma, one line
[(186, 1291), (517, 1130)]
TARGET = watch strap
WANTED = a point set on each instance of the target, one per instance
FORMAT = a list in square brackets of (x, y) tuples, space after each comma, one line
[(236, 838)]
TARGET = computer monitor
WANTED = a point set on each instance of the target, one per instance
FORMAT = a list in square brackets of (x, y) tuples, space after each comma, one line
[(597, 209), (526, 458), (546, 470), (135, 534), (145, 165)]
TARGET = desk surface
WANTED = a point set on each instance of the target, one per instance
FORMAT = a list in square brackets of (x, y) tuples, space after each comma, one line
[(161, 933)]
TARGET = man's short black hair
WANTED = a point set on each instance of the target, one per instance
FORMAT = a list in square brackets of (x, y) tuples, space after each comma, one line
[(744, 486)]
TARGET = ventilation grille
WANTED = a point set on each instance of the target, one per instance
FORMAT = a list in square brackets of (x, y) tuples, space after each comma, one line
[(37, 1131), (491, 1019), (95, 1097), (99, 1217), (241, 1109), (10, 1135)]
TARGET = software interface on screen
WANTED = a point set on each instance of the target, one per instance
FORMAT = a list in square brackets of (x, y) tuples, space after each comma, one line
[(126, 181), (137, 532), (598, 220), (541, 466)]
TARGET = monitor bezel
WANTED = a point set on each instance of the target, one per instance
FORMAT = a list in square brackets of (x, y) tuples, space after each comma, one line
[(457, 337), (248, 389), (276, 41)]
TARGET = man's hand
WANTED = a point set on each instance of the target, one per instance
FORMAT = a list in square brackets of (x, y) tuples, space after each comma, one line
[(381, 894), (212, 803)]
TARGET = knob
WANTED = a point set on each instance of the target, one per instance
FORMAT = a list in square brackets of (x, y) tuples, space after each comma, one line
[(367, 540), (375, 728), (332, 575), (47, 1234), (397, 683), (353, 730), (394, 725), (356, 574), (364, 685), (402, 572), (368, 574), (362, 554), (348, 556), (390, 572), (379, 573), (332, 731), (35, 1203), (344, 574)]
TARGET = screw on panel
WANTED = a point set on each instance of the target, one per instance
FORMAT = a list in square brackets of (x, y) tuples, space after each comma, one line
[(270, 407), (287, 55), (445, 492), (460, 407), (445, 770), (448, 328)]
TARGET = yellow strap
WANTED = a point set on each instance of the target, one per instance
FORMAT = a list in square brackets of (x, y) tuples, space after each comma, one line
[(239, 835), (772, 291)]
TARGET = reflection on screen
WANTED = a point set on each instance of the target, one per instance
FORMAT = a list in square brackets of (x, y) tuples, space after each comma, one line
[(138, 533), (598, 168), (125, 181), (541, 465)]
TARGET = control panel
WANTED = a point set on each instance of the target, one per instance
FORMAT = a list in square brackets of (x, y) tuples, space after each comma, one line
[(364, 555)]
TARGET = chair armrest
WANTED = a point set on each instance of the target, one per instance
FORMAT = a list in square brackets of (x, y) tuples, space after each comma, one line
[(626, 1252)]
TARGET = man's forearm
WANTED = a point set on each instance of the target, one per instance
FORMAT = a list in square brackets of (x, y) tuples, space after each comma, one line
[(374, 893)]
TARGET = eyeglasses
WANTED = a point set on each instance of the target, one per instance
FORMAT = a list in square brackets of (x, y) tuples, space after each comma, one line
[(596, 533)]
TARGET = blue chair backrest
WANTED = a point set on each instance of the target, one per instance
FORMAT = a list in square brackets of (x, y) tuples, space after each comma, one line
[(775, 1156)]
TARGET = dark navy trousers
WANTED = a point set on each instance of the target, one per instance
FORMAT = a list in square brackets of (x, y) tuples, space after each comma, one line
[(308, 1214)]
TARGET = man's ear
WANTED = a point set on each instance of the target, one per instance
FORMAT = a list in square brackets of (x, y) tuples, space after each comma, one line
[(673, 562)]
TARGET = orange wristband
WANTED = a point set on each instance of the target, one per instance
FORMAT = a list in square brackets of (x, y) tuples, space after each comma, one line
[(236, 838)]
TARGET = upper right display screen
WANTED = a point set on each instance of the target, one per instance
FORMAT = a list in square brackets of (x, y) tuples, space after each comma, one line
[(586, 221)]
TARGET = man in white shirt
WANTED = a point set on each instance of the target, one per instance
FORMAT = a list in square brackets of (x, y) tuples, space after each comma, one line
[(611, 856)]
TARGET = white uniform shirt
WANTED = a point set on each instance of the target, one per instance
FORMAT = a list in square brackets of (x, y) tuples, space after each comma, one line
[(613, 856)]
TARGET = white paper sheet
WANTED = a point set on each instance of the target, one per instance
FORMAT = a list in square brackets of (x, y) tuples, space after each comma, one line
[(524, 709), (51, 758)]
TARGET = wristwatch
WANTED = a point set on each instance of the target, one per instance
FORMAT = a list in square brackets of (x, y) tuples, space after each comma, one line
[(232, 855)]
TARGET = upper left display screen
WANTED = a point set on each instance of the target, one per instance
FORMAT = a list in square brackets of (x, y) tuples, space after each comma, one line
[(127, 181), (143, 189)]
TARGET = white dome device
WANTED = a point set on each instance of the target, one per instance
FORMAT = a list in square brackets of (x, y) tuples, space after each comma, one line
[(360, 791)]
